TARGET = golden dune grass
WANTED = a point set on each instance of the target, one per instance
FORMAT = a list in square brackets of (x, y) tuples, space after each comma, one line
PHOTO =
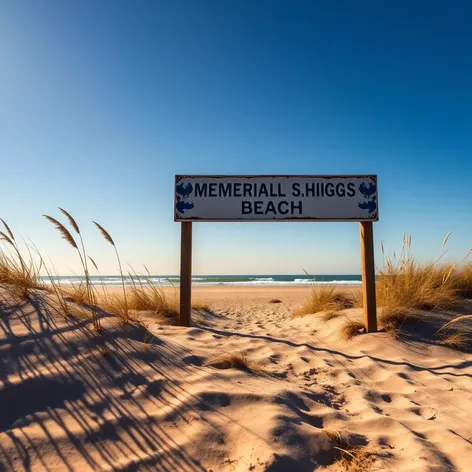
[(350, 457), (148, 298), (395, 317), (329, 315), (458, 340), (109, 239), (462, 279), (350, 329), (201, 305), (237, 360), (326, 299), (67, 236), (19, 278), (19, 274), (78, 292), (356, 458), (405, 283)]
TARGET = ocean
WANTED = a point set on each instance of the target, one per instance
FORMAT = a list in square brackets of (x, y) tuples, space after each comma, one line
[(198, 280)]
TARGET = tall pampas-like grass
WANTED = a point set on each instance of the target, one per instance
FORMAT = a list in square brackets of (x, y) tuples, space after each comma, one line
[(108, 238), (403, 282), (88, 283), (67, 236), (15, 271), (10, 239)]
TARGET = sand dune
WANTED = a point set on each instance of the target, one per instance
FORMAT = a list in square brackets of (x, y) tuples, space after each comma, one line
[(126, 400)]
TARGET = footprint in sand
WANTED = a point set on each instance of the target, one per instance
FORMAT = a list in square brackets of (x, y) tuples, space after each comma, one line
[(426, 413)]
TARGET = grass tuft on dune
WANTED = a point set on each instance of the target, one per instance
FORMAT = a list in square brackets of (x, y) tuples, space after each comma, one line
[(79, 292), (236, 360), (355, 458), (351, 329), (405, 283), (457, 340), (20, 278), (19, 274), (326, 298)]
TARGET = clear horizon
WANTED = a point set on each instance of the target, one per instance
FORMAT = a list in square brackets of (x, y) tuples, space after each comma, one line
[(104, 102)]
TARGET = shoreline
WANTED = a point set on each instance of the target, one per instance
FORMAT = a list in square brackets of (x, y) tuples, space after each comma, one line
[(242, 293)]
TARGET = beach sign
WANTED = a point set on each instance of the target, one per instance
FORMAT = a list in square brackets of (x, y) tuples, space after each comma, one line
[(276, 198), (271, 198)]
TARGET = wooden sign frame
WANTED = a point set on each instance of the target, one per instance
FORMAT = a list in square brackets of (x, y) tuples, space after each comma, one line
[(367, 260)]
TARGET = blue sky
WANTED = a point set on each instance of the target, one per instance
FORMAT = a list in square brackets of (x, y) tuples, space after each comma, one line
[(103, 102)]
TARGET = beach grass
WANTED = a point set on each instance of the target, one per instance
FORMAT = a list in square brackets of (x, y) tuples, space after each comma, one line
[(350, 329), (77, 292), (201, 305), (393, 318), (355, 458), (406, 287), (106, 235), (19, 278), (67, 236), (329, 315), (350, 456), (20, 274), (326, 299), (462, 279), (458, 340), (236, 360), (405, 283)]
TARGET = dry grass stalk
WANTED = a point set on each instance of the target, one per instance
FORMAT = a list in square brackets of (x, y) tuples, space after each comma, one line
[(351, 457), (456, 320), (54, 286), (63, 231), (336, 437), (445, 239), (457, 340), (72, 222), (78, 292), (59, 294), (16, 272), (115, 305), (355, 458), (350, 329), (462, 278), (107, 237), (93, 262), (237, 360), (10, 239), (88, 284), (200, 305), (20, 278), (329, 315), (394, 318), (90, 295), (326, 298), (405, 283), (149, 298), (8, 230)]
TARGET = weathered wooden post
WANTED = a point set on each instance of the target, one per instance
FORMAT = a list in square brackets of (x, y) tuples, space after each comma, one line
[(368, 276), (185, 274)]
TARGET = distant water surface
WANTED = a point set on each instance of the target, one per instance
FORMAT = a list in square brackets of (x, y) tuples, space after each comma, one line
[(256, 280)]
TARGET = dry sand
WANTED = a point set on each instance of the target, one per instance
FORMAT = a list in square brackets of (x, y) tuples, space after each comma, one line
[(72, 400)]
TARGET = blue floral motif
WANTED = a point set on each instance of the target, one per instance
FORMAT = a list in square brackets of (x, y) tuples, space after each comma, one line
[(370, 206), (368, 191)]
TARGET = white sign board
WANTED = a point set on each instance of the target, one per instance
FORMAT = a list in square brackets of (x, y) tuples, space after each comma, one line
[(276, 198)]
